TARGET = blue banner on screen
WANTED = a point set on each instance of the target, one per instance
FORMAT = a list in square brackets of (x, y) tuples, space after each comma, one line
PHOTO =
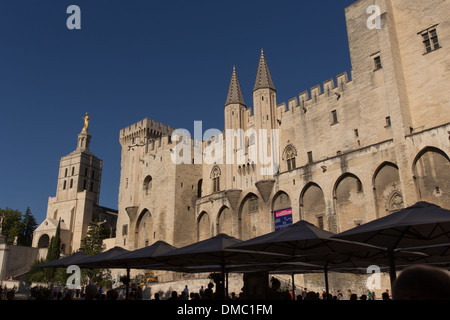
[(282, 218)]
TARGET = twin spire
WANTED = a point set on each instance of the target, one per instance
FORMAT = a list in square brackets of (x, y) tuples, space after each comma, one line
[(234, 90), (263, 80)]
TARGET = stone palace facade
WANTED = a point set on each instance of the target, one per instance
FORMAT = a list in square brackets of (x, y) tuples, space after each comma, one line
[(348, 151)]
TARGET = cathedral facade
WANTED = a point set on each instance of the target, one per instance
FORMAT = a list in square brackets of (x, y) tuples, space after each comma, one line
[(347, 151)]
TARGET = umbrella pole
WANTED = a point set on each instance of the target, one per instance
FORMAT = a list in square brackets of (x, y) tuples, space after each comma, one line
[(223, 280), (293, 287), (128, 283), (327, 289), (226, 288), (392, 270)]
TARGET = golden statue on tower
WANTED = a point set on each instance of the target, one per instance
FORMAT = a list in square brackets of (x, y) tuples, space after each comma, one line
[(86, 123)]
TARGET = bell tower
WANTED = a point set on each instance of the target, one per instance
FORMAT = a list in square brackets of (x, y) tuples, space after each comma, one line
[(76, 201), (80, 170)]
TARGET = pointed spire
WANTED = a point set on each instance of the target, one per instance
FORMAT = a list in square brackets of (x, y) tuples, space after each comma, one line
[(234, 90), (263, 78)]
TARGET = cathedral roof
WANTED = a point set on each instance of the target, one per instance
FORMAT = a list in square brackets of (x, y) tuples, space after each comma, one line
[(234, 90), (263, 78)]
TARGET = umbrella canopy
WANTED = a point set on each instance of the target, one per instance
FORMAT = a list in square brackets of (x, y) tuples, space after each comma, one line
[(101, 260), (66, 261), (213, 251), (302, 238), (302, 241), (143, 258), (422, 224)]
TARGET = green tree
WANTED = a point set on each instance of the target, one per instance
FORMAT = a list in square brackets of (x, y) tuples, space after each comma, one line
[(54, 248), (92, 244), (29, 225), (12, 224), (53, 253)]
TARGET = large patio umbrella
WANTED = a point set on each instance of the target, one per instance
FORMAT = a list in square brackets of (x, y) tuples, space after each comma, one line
[(73, 259), (422, 224), (143, 258), (212, 252), (302, 241), (101, 260)]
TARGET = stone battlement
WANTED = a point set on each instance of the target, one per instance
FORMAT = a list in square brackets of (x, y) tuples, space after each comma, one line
[(307, 99), (145, 128)]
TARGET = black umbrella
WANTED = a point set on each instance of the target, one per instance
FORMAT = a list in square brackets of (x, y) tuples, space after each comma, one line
[(302, 241), (143, 258), (66, 261), (422, 224), (101, 260), (212, 252)]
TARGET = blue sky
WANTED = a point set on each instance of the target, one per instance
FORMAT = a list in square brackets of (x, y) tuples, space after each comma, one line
[(169, 60)]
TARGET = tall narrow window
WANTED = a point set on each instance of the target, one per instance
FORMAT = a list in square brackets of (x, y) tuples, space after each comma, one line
[(216, 184), (71, 183), (64, 185), (377, 62), (253, 204), (430, 39), (310, 157), (65, 173), (334, 117), (199, 188), (320, 222), (388, 121), (147, 185), (215, 176)]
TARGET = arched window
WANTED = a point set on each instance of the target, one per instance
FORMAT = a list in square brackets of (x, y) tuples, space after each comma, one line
[(289, 155), (64, 185), (147, 184), (71, 183), (215, 176)]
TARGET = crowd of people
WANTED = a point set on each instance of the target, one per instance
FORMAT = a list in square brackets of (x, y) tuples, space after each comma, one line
[(414, 283), (6, 293)]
